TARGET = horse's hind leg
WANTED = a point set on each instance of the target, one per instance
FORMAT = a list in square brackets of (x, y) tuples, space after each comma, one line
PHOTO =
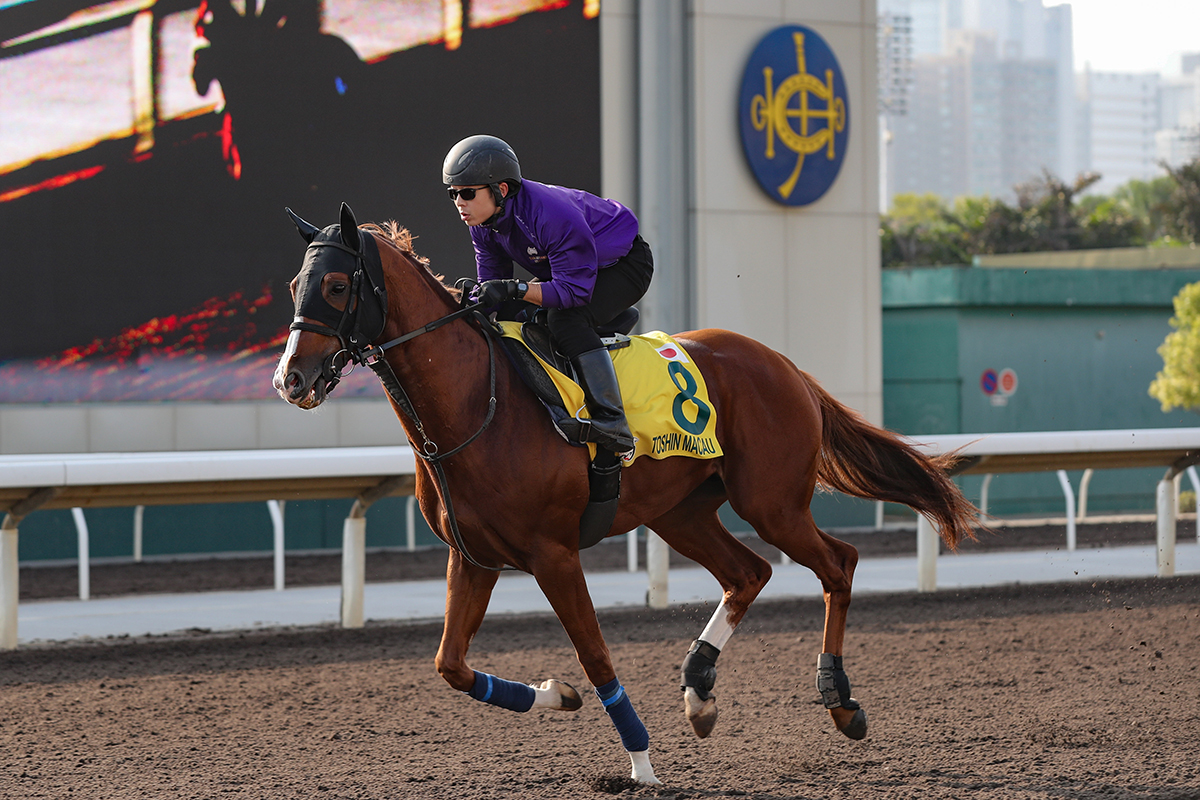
[(694, 530), (833, 561), (468, 590)]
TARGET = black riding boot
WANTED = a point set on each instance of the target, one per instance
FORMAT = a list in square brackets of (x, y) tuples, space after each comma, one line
[(609, 430)]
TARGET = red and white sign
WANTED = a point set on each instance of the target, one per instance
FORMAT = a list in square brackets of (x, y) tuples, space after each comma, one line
[(1008, 382)]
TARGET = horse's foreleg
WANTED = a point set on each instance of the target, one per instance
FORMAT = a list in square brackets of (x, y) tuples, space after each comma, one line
[(468, 590), (560, 577)]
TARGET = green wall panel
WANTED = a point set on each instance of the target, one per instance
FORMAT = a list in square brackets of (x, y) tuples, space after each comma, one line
[(1082, 343), (213, 528)]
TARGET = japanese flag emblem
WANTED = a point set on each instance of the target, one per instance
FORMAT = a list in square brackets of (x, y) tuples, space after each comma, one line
[(672, 352)]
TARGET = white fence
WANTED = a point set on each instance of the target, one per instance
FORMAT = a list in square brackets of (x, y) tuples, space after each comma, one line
[(80, 481), (1175, 449), (94, 480)]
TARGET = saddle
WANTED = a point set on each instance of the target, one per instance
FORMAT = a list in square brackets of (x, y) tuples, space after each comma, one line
[(604, 475), (614, 335)]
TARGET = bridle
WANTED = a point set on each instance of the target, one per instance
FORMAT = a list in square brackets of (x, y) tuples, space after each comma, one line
[(356, 347)]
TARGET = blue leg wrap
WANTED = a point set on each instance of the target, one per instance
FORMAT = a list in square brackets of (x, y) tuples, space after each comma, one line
[(499, 692), (633, 733)]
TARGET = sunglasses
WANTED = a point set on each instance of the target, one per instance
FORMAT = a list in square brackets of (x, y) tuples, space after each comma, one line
[(467, 193)]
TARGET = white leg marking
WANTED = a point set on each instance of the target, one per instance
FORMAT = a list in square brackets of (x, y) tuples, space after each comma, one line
[(642, 771), (718, 630), (555, 695)]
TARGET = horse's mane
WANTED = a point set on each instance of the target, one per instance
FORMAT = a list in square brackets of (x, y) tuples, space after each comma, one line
[(401, 238)]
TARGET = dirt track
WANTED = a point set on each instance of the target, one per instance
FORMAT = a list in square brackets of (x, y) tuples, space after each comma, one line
[(1058, 692)]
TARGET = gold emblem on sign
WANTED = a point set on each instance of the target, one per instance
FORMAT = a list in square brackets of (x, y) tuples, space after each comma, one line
[(773, 111)]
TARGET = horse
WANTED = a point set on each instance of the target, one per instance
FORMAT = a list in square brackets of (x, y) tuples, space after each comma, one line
[(502, 488)]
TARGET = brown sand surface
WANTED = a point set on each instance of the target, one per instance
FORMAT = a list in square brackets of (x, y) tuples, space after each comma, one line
[(1063, 692)]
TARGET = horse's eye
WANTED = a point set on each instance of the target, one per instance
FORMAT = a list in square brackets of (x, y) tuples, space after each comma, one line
[(338, 288)]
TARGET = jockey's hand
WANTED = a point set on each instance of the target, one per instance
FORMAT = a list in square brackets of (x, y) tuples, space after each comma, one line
[(493, 293)]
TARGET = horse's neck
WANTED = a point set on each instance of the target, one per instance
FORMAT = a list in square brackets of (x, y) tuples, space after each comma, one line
[(444, 372)]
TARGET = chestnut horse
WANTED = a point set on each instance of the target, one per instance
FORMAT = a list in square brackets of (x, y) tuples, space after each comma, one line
[(499, 485)]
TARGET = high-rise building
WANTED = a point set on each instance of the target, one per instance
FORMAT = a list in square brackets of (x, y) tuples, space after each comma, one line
[(994, 107), (1178, 138), (976, 122), (1120, 117), (929, 149)]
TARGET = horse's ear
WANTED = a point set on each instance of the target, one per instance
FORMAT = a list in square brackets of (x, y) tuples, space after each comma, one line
[(350, 235), (307, 229)]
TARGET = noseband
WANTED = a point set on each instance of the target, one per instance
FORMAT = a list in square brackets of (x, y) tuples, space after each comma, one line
[(356, 348)]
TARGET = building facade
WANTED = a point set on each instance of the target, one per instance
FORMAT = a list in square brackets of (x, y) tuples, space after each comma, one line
[(1119, 120)]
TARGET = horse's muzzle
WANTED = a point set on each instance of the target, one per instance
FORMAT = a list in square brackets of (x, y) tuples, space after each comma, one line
[(296, 388)]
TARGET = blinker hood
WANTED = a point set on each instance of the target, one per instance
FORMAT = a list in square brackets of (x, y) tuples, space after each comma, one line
[(365, 315)]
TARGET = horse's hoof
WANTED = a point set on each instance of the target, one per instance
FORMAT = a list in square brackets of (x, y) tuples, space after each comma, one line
[(701, 713), (556, 695), (642, 771), (851, 723)]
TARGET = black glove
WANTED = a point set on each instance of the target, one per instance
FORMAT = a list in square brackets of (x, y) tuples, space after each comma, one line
[(493, 293)]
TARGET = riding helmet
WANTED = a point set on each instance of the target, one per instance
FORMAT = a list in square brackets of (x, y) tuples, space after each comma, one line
[(480, 160)]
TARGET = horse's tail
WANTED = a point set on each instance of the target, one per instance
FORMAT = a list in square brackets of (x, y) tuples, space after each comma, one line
[(859, 459)]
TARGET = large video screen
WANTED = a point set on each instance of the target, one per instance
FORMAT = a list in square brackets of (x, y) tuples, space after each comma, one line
[(148, 149)]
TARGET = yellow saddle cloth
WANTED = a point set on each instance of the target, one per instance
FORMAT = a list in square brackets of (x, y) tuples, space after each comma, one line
[(665, 397)]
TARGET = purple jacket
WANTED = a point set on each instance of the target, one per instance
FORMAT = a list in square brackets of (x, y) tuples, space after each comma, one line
[(562, 236)]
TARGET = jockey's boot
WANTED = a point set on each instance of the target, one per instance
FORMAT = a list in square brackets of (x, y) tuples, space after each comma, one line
[(609, 430)]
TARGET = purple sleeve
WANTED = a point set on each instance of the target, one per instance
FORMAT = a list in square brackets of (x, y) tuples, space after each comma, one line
[(573, 265), (491, 262)]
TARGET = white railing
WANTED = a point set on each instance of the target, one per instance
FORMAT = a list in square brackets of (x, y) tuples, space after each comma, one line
[(1176, 449), (93, 480)]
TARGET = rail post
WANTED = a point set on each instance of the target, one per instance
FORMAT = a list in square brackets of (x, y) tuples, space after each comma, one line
[(1064, 481), (10, 571), (354, 550), (275, 508), (1167, 503), (10, 576), (84, 549), (927, 553), (657, 559)]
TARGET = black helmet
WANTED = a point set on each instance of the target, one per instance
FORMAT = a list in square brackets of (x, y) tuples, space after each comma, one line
[(480, 160)]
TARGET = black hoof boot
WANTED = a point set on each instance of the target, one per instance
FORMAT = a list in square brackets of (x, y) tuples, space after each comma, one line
[(834, 687)]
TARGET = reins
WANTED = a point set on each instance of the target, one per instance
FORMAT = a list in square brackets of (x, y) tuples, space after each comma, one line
[(373, 357)]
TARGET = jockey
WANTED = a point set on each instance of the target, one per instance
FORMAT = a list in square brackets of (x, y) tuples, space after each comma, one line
[(585, 252)]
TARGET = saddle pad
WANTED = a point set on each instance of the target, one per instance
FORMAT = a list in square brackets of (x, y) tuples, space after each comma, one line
[(665, 397)]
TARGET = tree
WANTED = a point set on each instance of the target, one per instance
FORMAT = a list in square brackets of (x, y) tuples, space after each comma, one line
[(1178, 384), (1184, 204), (1148, 201), (1050, 214), (920, 230)]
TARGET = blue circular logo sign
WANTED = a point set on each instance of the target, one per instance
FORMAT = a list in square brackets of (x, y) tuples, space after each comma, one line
[(794, 115)]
